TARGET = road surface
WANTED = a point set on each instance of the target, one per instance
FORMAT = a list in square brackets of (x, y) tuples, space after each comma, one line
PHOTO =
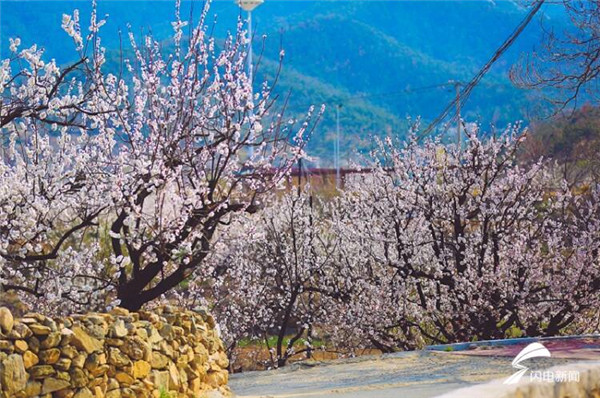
[(416, 374)]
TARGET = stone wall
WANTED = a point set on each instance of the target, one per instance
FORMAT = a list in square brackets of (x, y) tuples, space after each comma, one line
[(164, 353)]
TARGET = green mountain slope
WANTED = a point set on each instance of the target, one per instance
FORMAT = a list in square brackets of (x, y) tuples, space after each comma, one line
[(381, 60)]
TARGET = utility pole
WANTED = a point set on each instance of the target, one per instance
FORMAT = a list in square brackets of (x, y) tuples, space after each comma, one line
[(299, 176), (249, 6), (477, 78), (457, 85), (250, 51), (337, 146)]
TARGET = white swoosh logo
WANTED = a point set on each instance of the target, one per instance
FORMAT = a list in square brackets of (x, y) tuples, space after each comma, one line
[(533, 350)]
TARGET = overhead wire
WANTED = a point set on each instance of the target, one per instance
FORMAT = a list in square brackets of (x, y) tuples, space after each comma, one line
[(468, 88)]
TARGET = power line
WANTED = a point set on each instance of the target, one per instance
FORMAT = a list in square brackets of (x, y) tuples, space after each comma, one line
[(466, 91)]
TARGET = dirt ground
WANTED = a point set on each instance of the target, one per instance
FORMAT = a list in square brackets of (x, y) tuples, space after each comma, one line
[(254, 357)]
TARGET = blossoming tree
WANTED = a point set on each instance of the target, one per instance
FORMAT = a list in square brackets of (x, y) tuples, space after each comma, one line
[(114, 185), (467, 244), (279, 275), (430, 244)]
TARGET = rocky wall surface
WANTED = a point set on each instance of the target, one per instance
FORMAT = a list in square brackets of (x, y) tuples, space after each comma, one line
[(164, 353)]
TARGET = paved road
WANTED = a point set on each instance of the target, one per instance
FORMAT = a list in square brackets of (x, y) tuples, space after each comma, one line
[(410, 374), (418, 374)]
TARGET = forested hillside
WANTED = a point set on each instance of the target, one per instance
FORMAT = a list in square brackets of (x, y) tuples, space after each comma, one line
[(382, 61)]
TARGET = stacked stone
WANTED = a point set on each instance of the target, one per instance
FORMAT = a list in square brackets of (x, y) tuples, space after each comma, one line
[(117, 355)]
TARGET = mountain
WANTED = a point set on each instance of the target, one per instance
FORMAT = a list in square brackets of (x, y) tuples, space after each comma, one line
[(382, 61)]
